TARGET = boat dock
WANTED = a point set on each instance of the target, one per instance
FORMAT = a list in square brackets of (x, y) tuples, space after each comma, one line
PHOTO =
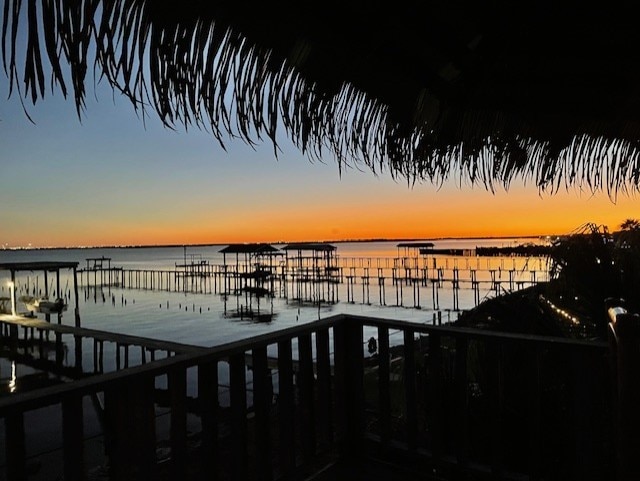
[(63, 350), (312, 273)]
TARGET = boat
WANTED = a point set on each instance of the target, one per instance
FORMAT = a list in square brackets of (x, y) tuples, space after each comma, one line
[(43, 304)]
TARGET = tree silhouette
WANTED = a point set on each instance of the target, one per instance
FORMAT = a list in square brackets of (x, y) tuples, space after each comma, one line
[(630, 224)]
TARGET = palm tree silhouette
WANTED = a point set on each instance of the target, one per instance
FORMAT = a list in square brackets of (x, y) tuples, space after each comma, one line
[(630, 224)]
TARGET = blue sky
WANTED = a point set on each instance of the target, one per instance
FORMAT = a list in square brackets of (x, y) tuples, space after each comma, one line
[(111, 179)]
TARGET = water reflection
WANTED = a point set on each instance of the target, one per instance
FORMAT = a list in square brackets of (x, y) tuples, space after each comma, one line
[(13, 383)]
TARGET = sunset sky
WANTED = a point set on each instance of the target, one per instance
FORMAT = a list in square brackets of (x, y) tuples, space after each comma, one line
[(112, 180)]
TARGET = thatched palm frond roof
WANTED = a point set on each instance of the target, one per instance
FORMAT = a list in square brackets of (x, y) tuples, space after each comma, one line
[(485, 90)]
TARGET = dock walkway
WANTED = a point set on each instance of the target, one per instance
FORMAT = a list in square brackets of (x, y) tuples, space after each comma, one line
[(100, 336)]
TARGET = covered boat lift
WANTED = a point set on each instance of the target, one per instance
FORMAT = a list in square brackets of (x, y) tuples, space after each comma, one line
[(313, 266), (46, 267), (252, 261), (254, 273)]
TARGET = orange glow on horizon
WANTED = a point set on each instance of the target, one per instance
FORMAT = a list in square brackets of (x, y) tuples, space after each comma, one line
[(414, 215)]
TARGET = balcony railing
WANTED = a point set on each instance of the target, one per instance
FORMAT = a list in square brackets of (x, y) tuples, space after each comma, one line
[(283, 405)]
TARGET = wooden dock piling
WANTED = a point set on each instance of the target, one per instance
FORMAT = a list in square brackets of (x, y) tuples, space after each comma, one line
[(313, 273)]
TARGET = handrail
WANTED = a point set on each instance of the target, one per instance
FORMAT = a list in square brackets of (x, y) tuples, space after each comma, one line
[(476, 333), (422, 390), (29, 400), (42, 397)]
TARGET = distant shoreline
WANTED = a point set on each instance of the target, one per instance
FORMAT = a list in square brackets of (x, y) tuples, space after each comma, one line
[(214, 244)]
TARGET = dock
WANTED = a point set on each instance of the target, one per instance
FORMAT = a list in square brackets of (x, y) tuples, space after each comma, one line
[(46, 269), (314, 273), (30, 342)]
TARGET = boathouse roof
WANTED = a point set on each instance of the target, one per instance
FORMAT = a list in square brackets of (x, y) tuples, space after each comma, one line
[(37, 266), (249, 249), (542, 91), (416, 245), (309, 246)]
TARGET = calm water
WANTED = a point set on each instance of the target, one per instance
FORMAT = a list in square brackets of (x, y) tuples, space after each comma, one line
[(206, 318)]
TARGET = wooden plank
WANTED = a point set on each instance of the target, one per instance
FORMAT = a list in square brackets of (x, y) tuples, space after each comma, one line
[(101, 356), (384, 392), (177, 392), (461, 436), (535, 412), (496, 403), (76, 309), (144, 417), (117, 435), (356, 379), (323, 386), (208, 400), (349, 376), (238, 397), (77, 342), (262, 395), (305, 381), (341, 359), (59, 349), (286, 408), (587, 375), (435, 386), (129, 427), (411, 400), (72, 438)]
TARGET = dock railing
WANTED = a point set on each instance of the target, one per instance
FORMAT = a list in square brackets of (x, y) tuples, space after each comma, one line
[(458, 402)]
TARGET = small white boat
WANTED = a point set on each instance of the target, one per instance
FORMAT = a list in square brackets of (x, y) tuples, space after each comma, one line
[(43, 305)]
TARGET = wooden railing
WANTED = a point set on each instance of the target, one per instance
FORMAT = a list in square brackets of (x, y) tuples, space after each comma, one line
[(280, 405)]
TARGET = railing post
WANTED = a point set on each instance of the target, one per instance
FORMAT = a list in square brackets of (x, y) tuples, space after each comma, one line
[(495, 387), (534, 395), (177, 393), (410, 390), (305, 380), (349, 374), (72, 436), (461, 436), (238, 400), (323, 370), (286, 408), (436, 413), (589, 405), (15, 446), (208, 400), (262, 395), (384, 391), (625, 339), (130, 438)]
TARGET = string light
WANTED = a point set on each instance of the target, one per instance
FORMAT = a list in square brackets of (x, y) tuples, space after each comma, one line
[(561, 312)]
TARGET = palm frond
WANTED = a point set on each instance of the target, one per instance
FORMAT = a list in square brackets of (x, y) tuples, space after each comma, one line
[(196, 69)]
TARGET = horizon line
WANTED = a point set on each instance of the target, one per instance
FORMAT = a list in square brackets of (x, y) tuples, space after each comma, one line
[(334, 241)]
